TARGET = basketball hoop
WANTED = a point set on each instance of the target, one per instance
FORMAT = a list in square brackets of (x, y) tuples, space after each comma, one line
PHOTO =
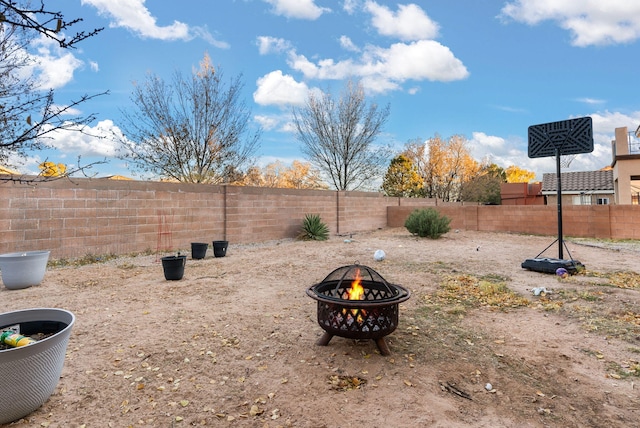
[(564, 140), (565, 160)]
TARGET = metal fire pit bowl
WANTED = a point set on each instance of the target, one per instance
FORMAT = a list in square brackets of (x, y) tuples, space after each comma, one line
[(373, 316)]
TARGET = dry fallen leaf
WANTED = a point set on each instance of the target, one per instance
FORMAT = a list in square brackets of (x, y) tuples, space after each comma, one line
[(255, 411)]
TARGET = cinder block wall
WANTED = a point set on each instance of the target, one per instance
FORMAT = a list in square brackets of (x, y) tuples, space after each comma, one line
[(83, 216), (588, 221)]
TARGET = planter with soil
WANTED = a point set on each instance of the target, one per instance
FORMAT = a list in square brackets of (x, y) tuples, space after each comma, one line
[(30, 373)]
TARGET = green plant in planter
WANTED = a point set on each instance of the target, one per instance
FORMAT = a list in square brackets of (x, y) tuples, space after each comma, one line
[(427, 223), (313, 229)]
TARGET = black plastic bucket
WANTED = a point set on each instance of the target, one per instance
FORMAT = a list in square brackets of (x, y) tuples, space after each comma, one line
[(220, 248), (173, 267), (199, 250)]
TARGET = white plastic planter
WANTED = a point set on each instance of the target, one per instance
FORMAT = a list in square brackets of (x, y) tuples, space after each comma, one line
[(22, 270), (30, 374)]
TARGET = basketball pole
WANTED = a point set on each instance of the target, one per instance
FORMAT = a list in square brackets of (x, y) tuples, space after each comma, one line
[(559, 193)]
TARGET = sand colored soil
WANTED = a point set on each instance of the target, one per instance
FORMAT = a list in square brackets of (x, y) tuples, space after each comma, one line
[(234, 342)]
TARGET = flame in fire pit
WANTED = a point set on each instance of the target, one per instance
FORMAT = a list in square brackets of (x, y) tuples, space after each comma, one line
[(356, 292)]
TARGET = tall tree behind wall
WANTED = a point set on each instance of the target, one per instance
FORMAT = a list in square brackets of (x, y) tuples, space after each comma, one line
[(338, 137), (444, 165), (196, 130)]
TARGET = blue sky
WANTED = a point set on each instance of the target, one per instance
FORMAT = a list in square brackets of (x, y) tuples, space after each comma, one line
[(484, 69)]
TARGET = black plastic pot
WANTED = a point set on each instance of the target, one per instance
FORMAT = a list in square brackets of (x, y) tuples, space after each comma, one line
[(220, 248), (173, 267), (199, 250)]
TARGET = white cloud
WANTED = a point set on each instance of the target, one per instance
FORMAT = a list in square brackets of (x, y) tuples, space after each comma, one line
[(92, 141), (424, 59), (266, 122), (347, 44), (510, 109), (133, 15), (53, 66), (281, 122), (590, 22), (204, 34), (606, 122), (68, 111), (268, 45), (350, 6), (383, 69), (590, 101), (94, 66), (300, 9), (278, 89), (409, 23)]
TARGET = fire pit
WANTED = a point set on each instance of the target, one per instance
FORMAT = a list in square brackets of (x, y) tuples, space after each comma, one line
[(356, 302)]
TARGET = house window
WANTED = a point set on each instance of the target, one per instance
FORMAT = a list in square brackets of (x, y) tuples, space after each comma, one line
[(603, 201), (582, 199)]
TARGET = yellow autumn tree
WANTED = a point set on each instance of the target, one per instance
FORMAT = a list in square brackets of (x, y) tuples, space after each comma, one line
[(515, 174), (444, 165), (50, 169), (401, 179), (300, 175)]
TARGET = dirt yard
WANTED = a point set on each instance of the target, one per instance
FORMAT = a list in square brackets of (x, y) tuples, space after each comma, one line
[(234, 342)]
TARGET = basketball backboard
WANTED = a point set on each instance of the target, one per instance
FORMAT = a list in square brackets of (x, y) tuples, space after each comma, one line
[(573, 136)]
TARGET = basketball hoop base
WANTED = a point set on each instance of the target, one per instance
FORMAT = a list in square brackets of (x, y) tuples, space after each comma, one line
[(549, 265)]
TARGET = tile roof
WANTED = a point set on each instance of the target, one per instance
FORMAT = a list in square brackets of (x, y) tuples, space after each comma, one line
[(580, 181), (5, 170)]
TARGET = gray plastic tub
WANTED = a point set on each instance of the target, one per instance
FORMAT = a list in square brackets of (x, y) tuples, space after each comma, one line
[(30, 374), (22, 270)]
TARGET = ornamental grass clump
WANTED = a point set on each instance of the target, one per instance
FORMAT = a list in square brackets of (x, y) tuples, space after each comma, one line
[(314, 229), (427, 223)]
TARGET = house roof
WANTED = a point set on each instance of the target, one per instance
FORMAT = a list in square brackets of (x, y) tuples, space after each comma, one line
[(5, 170), (580, 181), (117, 177)]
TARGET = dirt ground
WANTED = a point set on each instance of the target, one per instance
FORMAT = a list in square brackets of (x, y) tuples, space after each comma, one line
[(234, 342)]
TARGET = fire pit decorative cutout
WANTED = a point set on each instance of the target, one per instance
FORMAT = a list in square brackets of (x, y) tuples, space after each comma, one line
[(356, 302)]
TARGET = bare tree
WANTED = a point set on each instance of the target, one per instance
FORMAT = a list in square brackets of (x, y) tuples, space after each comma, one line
[(195, 130), (338, 137), (28, 114), (15, 14)]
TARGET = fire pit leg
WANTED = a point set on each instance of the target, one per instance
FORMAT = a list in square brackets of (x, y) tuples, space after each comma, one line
[(382, 346), (324, 340)]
